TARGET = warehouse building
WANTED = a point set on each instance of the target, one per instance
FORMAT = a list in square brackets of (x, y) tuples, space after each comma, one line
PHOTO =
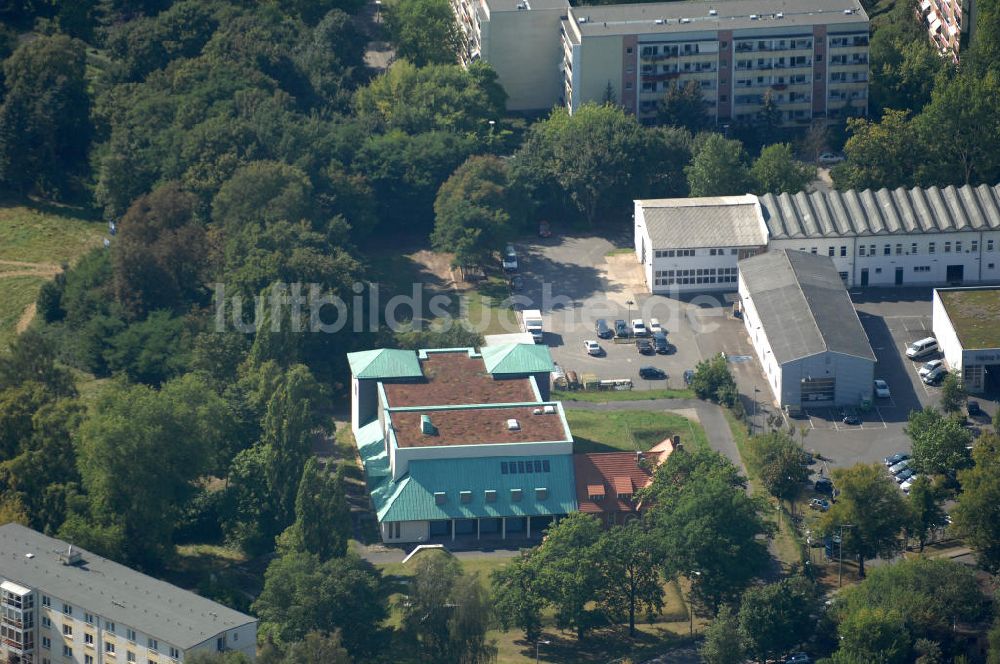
[(966, 323), (899, 237), (805, 331), (459, 443)]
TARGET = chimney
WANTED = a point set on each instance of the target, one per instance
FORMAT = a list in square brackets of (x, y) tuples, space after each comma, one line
[(71, 557), (638, 458)]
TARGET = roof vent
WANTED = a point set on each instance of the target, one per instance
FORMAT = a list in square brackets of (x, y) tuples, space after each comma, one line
[(426, 427), (779, 15), (29, 556), (848, 12), (70, 557), (550, 410), (582, 19), (537, 411), (440, 497), (713, 12), (753, 17), (513, 425), (685, 20), (660, 21)]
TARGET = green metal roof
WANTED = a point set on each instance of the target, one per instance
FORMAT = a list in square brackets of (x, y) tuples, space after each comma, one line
[(385, 363), (517, 359), (412, 498)]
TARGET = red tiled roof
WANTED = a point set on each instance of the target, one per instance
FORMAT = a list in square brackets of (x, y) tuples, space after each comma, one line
[(474, 426), (615, 473), (454, 378)]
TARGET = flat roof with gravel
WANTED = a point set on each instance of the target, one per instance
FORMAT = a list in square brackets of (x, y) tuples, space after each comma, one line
[(975, 315)]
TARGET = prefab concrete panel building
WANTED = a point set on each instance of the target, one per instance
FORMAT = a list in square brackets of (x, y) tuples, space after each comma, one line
[(805, 330)]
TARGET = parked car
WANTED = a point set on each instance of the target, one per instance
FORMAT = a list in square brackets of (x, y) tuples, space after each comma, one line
[(688, 376), (660, 343), (897, 468), (593, 348), (644, 346), (908, 484), (904, 475), (973, 409), (824, 485), (652, 373), (881, 389), (936, 376), (829, 159), (895, 458), (922, 348), (621, 328), (654, 326), (798, 658), (602, 330), (821, 504), (851, 419), (639, 328), (516, 283), (928, 367), (509, 259)]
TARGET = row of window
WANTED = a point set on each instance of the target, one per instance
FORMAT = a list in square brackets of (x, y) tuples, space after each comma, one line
[(523, 467), (681, 253), (708, 275), (890, 249)]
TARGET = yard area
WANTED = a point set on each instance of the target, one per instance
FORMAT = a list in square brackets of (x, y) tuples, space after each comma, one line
[(603, 396), (630, 430)]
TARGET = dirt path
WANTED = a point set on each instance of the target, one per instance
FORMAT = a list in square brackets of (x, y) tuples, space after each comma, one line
[(25, 269)]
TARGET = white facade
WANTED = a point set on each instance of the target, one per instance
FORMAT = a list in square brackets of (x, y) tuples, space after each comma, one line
[(972, 364)]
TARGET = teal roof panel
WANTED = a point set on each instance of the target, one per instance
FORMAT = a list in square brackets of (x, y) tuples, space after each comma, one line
[(517, 359), (385, 363)]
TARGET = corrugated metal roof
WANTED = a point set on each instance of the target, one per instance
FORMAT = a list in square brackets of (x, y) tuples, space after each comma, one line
[(120, 594), (882, 212), (384, 363), (803, 306), (517, 359), (691, 223)]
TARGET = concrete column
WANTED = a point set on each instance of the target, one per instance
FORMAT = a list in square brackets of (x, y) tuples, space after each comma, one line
[(529, 527), (452, 530), (477, 527), (503, 527)]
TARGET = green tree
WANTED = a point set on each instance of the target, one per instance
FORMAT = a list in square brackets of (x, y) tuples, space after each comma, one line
[(870, 501), (424, 31), (472, 211), (776, 617), (980, 494), (925, 509), (684, 106), (322, 515), (31, 358), (228, 657), (303, 595), (952, 394), (44, 117), (939, 443), (630, 578), (873, 635), (775, 171), (713, 380), (880, 154), (139, 454), (318, 648), (723, 644), (568, 572), (904, 67), (150, 351), (719, 168), (779, 461), (516, 602)]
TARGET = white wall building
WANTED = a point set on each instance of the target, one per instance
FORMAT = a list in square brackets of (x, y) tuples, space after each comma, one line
[(966, 323), (64, 604), (805, 330), (902, 237)]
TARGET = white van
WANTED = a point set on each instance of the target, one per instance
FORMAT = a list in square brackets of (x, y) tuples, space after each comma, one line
[(922, 348)]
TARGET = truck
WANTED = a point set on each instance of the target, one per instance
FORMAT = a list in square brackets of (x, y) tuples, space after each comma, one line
[(531, 321)]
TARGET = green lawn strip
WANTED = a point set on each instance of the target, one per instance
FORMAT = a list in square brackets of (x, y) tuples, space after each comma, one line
[(18, 293), (629, 430), (620, 251), (35, 236), (605, 396)]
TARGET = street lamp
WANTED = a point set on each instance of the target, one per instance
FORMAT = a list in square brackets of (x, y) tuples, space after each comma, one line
[(840, 563), (754, 418), (691, 598), (629, 303), (538, 643)]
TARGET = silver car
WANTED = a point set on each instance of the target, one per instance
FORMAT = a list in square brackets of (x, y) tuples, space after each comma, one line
[(899, 467)]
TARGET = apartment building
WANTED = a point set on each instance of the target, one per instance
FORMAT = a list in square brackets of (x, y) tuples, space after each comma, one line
[(900, 237), (945, 21), (810, 57), (63, 604), (520, 39)]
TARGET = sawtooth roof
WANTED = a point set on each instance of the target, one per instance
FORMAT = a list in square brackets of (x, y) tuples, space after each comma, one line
[(882, 212), (117, 593), (803, 306), (691, 223)]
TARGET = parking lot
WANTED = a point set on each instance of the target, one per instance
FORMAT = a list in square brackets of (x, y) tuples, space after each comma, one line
[(576, 280)]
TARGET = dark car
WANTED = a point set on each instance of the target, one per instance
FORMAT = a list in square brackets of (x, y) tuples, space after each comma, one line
[(824, 485), (974, 409), (660, 343), (644, 346), (688, 376), (892, 460), (602, 330), (652, 373), (621, 328)]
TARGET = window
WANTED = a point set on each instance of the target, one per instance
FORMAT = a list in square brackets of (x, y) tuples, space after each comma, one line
[(975, 246), (174, 652), (491, 495), (899, 249), (947, 247), (152, 644), (830, 251), (67, 609), (109, 627), (921, 268), (67, 630), (628, 51), (130, 656), (220, 643), (46, 642), (886, 250), (871, 249), (515, 495), (465, 496), (734, 252), (46, 622), (930, 248), (503, 467), (47, 601), (843, 276), (861, 250), (813, 250), (440, 497), (958, 247), (109, 647), (989, 247), (88, 639), (88, 618), (989, 266), (130, 633), (913, 248), (88, 659), (541, 493), (67, 651), (843, 250), (520, 467), (545, 465)]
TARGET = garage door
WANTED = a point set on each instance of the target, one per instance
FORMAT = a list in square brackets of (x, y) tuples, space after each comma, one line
[(818, 389)]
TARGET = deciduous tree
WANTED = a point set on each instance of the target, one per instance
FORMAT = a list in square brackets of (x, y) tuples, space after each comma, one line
[(776, 171), (713, 380), (684, 106), (516, 601), (630, 578), (939, 442), (873, 635), (568, 572), (952, 394), (976, 503), (719, 168), (925, 509), (880, 154), (779, 462), (322, 516), (424, 31), (776, 617), (723, 644)]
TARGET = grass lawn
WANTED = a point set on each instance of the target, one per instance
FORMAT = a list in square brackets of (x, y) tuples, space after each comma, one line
[(604, 396), (19, 292), (628, 430), (36, 236)]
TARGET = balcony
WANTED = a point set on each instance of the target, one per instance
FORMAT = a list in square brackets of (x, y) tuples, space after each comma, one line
[(666, 76)]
